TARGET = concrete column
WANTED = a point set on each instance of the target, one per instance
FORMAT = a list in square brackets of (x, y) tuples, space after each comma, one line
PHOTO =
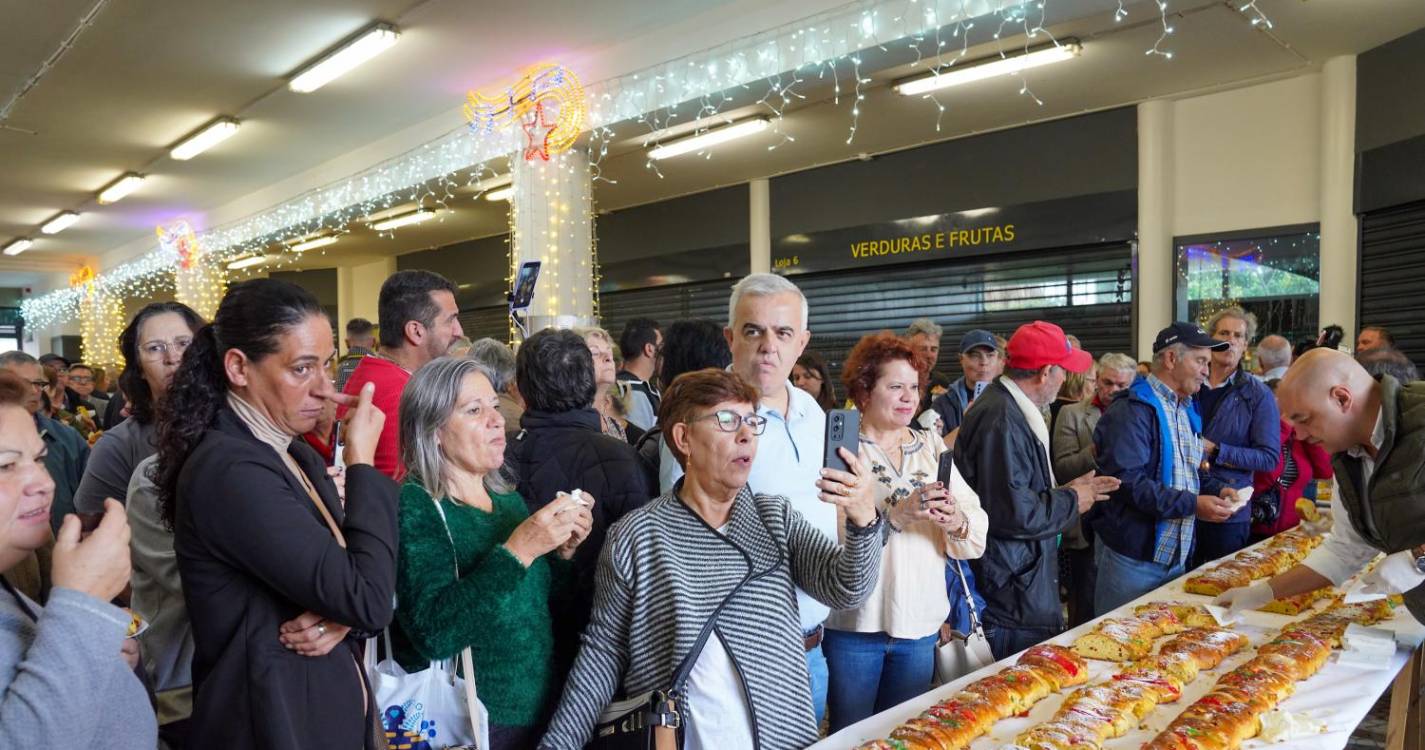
[(359, 292), (1153, 295), (554, 224), (1340, 239), (760, 225)]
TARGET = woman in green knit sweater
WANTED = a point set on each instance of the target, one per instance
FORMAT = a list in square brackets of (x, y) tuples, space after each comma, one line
[(458, 510)]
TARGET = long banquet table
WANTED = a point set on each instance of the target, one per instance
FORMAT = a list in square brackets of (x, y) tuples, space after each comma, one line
[(1339, 695)]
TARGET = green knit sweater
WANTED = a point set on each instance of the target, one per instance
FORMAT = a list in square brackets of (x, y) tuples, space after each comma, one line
[(498, 607)]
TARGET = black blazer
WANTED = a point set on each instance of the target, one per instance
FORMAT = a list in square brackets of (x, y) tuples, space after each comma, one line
[(253, 552)]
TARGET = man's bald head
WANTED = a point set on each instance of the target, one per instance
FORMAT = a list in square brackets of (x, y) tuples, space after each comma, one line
[(1330, 400)]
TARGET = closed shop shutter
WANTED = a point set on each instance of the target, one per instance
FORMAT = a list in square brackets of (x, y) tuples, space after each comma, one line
[(1392, 275), (1086, 290)]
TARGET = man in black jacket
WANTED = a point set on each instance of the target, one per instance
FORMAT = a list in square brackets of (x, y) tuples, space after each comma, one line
[(1003, 452), (560, 448)]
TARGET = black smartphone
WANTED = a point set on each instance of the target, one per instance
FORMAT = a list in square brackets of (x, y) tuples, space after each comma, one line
[(523, 292), (843, 430), (947, 464)]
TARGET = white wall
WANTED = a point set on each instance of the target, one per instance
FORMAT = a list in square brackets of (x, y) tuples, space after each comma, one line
[(1248, 158)]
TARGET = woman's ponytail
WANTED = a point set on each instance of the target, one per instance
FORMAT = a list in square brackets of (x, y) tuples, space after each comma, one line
[(199, 388)]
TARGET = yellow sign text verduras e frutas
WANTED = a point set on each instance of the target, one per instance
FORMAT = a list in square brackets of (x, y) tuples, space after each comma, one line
[(929, 241)]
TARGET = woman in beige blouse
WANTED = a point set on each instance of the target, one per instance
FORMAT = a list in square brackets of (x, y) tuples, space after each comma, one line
[(883, 653)]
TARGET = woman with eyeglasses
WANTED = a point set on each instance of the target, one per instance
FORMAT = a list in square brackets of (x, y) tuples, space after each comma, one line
[(712, 550), (152, 345)]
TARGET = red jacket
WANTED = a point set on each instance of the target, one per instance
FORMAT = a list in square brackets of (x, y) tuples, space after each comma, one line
[(1312, 463)]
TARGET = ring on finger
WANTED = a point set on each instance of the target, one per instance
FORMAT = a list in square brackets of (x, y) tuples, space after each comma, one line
[(321, 628)]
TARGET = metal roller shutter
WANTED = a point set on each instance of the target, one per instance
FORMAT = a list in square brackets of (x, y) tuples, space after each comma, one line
[(1086, 290), (1392, 275), (482, 322)]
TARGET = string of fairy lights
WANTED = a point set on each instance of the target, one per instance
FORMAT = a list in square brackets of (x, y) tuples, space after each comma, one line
[(692, 89)]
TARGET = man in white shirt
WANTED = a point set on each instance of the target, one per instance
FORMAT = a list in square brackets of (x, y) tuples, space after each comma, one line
[(767, 331), (1375, 431)]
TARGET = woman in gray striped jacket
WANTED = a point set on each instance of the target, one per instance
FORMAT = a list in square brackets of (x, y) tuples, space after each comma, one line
[(667, 566)]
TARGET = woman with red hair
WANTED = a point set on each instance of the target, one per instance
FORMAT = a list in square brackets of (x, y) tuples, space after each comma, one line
[(882, 653)]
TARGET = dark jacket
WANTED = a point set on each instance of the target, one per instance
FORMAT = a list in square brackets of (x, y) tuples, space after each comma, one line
[(254, 552), (1129, 446), (563, 452), (1387, 513), (66, 459), (1008, 467), (951, 406), (1245, 424)]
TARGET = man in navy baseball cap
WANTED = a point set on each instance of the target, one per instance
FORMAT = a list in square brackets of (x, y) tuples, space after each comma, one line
[(982, 362), (1150, 438)]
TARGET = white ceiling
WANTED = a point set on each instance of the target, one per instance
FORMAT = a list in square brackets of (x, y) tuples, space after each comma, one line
[(147, 73)]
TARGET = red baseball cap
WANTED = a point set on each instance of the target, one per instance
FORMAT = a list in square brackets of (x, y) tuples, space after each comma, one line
[(1037, 344)]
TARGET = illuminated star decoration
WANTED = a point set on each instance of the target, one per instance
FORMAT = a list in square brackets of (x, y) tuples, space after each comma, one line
[(542, 93), (538, 131), (179, 239)]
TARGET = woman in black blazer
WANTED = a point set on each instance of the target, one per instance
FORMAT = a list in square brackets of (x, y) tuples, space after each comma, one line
[(282, 578)]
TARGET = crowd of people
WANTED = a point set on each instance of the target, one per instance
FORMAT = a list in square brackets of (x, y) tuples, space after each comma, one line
[(598, 517)]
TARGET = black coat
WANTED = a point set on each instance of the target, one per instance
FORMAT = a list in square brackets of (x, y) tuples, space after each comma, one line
[(561, 452), (1004, 462), (254, 552)]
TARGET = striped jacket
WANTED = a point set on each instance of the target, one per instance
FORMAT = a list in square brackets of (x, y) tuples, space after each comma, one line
[(664, 570)]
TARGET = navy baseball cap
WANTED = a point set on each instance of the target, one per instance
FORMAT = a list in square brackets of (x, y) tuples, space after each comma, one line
[(977, 337), (1189, 334)]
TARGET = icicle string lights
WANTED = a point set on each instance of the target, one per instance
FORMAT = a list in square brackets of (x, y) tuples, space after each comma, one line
[(825, 45)]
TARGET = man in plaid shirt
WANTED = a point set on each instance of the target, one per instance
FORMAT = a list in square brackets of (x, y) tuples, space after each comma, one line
[(1150, 439)]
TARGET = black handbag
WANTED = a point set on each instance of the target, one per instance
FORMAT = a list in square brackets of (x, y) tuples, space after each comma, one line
[(654, 720), (1267, 506)]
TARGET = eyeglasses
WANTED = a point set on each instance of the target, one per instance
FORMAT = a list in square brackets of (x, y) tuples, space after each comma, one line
[(39, 385), (731, 421), (158, 350), (81, 379)]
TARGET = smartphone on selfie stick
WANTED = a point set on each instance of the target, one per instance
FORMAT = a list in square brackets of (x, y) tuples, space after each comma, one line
[(523, 294), (843, 430)]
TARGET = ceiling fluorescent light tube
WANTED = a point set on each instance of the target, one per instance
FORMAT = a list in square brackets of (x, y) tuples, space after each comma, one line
[(60, 222), (500, 194), (314, 243), (414, 217), (241, 263), (120, 188), (989, 68), (218, 131), (708, 139), (18, 246), (344, 58)]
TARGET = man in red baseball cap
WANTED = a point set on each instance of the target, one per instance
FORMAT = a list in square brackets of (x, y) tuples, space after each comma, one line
[(1003, 452)]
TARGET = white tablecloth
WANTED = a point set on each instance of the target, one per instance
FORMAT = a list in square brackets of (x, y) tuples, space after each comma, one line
[(1338, 695)]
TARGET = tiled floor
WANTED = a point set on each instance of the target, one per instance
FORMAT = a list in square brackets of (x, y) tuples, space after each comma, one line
[(1370, 735)]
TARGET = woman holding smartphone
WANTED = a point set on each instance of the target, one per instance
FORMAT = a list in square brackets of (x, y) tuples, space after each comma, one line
[(280, 578), (882, 652)]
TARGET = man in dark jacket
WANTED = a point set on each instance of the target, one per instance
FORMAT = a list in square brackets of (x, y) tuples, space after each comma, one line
[(980, 360), (560, 448), (1003, 453), (1241, 430), (1375, 432), (1149, 439)]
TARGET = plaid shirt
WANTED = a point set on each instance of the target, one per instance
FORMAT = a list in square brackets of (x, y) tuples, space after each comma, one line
[(347, 365), (1175, 535)]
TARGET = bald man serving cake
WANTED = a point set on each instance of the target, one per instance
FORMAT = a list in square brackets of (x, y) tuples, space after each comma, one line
[(1375, 431)]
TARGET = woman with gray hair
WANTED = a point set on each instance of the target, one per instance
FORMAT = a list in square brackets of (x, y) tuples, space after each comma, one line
[(458, 505)]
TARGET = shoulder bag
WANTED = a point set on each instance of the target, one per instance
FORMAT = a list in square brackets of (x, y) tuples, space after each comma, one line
[(964, 652)]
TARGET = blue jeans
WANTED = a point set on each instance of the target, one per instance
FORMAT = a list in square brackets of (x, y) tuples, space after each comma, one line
[(816, 667), (1121, 579), (872, 672)]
